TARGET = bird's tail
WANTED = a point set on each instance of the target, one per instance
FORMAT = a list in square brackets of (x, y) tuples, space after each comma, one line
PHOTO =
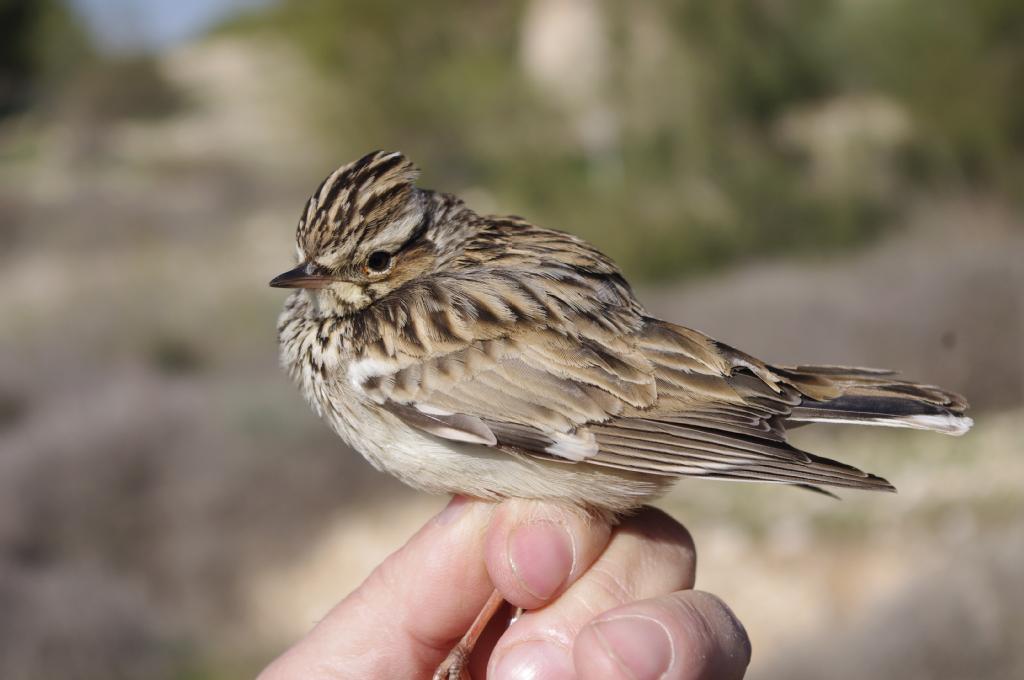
[(864, 396)]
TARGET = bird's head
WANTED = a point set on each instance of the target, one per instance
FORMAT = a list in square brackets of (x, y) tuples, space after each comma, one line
[(365, 231)]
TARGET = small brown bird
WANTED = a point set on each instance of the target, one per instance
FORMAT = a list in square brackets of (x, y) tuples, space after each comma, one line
[(490, 357)]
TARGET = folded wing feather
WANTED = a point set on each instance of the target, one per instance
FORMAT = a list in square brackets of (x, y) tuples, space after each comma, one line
[(666, 401)]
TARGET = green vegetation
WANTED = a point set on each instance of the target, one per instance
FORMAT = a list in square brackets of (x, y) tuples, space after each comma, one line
[(48, 63), (739, 127), (40, 45), (727, 129)]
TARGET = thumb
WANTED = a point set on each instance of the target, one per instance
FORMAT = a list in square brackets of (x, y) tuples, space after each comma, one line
[(408, 614)]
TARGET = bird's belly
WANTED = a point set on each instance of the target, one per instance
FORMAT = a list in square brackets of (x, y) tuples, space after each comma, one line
[(436, 465)]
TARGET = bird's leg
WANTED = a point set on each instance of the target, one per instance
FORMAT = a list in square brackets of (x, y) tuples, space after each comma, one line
[(455, 665)]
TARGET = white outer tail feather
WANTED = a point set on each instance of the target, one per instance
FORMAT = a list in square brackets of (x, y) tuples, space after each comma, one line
[(946, 424)]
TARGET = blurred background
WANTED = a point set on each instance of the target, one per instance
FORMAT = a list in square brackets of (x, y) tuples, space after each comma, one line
[(834, 181)]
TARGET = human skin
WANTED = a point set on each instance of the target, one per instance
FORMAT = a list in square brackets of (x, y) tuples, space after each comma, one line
[(602, 602)]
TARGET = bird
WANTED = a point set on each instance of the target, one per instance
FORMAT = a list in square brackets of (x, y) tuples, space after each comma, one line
[(486, 356)]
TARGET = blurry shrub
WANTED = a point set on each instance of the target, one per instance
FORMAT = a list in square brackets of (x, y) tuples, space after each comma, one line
[(13, 408), (958, 67), (48, 62), (174, 355), (125, 87), (40, 44)]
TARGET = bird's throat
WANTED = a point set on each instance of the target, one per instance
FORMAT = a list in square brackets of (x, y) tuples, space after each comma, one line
[(341, 298)]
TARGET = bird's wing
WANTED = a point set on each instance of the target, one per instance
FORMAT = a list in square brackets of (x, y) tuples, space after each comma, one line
[(719, 414), (635, 394)]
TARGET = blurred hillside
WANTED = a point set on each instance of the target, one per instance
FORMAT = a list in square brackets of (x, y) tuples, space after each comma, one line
[(680, 136), (830, 181)]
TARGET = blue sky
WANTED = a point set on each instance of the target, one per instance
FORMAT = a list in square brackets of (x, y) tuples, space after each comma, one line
[(128, 25)]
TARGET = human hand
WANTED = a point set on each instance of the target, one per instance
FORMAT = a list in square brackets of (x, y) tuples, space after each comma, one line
[(601, 603)]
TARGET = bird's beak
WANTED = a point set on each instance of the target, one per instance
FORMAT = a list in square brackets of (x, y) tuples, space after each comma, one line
[(306, 275)]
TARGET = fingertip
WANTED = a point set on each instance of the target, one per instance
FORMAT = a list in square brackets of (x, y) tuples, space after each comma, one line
[(541, 556), (534, 550), (532, 659), (624, 646), (725, 643), (687, 635)]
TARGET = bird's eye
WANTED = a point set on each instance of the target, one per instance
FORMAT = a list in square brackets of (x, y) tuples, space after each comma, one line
[(378, 261)]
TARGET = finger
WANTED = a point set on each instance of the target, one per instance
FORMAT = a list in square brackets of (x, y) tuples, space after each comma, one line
[(688, 635), (649, 555), (419, 602), (534, 550)]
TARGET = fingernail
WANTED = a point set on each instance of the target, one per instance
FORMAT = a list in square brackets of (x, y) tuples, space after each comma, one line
[(541, 555), (534, 660), (640, 645), (451, 511)]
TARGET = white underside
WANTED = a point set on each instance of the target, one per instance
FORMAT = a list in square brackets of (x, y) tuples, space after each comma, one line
[(439, 465)]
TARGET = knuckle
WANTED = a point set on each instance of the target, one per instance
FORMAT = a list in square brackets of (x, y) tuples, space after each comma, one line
[(673, 541), (612, 587), (659, 525)]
